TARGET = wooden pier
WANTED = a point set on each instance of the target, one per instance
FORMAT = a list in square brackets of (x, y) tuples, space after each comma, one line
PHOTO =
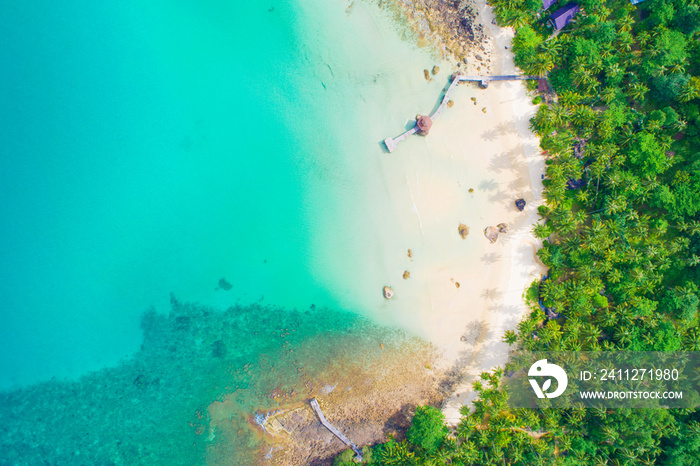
[(314, 404), (392, 143)]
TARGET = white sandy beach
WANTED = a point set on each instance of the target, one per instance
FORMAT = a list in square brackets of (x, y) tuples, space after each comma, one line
[(416, 197)]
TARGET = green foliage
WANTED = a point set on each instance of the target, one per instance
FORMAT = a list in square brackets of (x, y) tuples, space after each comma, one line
[(525, 45), (600, 301), (688, 20), (623, 249), (661, 12), (428, 429), (682, 301), (683, 447), (670, 48), (346, 458), (394, 453), (647, 156), (668, 88)]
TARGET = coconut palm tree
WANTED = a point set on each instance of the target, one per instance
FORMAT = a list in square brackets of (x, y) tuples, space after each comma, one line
[(569, 99), (689, 92), (659, 71), (609, 94), (644, 38), (543, 65), (637, 91), (679, 125), (677, 68), (625, 23)]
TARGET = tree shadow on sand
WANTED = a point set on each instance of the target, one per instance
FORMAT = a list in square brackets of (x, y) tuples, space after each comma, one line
[(490, 258), (491, 294), (488, 185), (501, 129)]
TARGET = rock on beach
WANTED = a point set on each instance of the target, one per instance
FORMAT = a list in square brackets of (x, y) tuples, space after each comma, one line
[(388, 292), (491, 234)]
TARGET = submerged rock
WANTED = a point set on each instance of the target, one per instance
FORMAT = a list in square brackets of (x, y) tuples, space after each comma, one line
[(388, 292), (410, 253), (491, 233), (224, 285), (218, 349), (406, 275), (426, 74), (450, 103), (520, 204), (502, 227), (436, 70), (463, 230)]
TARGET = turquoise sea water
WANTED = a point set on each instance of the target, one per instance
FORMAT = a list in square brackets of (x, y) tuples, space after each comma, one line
[(149, 148), (154, 148)]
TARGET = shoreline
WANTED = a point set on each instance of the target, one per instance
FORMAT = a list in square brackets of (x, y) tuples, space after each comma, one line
[(505, 162)]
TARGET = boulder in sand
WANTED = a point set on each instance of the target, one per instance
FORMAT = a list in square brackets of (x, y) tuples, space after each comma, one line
[(388, 292), (520, 204), (463, 230), (502, 227), (491, 233)]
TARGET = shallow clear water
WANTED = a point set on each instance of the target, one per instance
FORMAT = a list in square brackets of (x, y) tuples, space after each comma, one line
[(151, 148), (155, 148)]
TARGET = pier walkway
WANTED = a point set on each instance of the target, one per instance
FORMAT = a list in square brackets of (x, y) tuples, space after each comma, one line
[(314, 404), (392, 143)]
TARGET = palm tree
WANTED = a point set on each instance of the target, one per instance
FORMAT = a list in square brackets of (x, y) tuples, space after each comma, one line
[(581, 73), (561, 114), (653, 125), (689, 92), (543, 65), (693, 260), (625, 42), (552, 48), (626, 23), (510, 337), (679, 125), (637, 91), (678, 68), (569, 99), (515, 18), (541, 231), (613, 70), (543, 121), (692, 340), (643, 38), (659, 71), (609, 94), (615, 276)]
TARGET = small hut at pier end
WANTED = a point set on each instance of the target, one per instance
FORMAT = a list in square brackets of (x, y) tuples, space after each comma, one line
[(563, 16), (424, 123)]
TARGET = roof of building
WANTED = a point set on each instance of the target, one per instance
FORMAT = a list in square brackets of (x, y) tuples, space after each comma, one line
[(547, 3), (424, 124), (634, 2), (563, 16)]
